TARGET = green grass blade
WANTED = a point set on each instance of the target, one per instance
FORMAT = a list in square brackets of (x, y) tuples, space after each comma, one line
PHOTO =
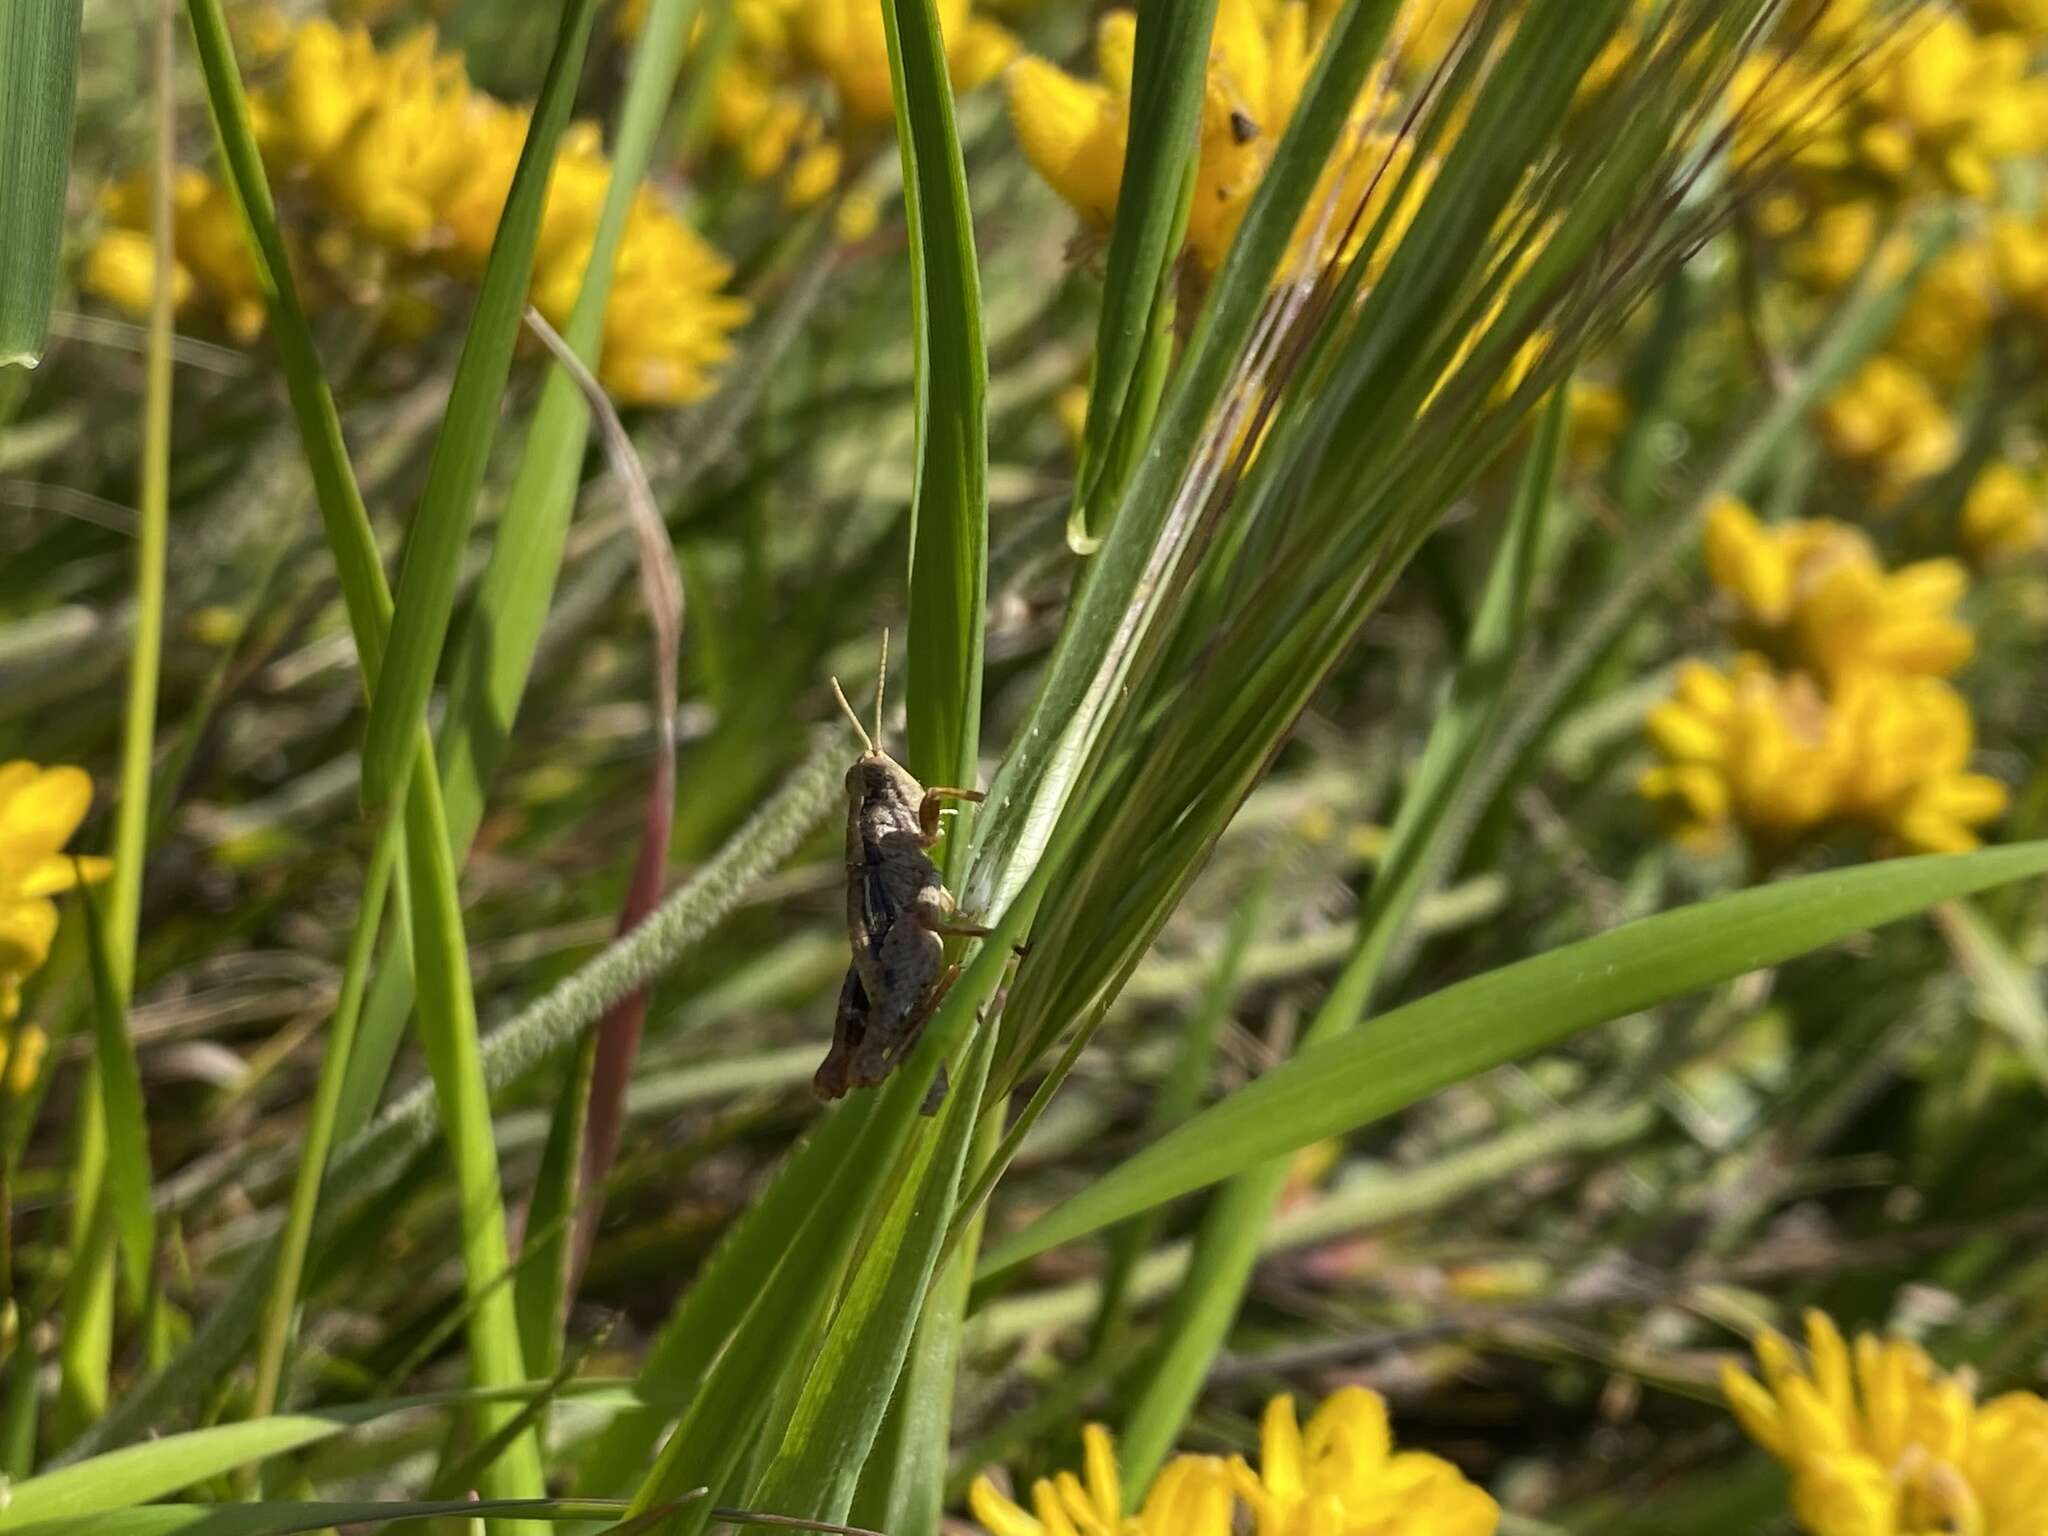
[(495, 652), (127, 1179), (1233, 1227), (2008, 990), (849, 1388), (1477, 695), (712, 1309), (38, 86), (541, 1291), (317, 1142), (729, 1412), (949, 489), (349, 536), (1354, 1079), (284, 1518), (1169, 72), (1097, 642), (440, 523), (448, 1033), (137, 1474)]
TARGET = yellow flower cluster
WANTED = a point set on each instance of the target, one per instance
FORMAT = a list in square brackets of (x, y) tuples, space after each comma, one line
[(39, 810), (1337, 1476), (1880, 1442), (1074, 132), (1936, 105), (412, 164), (764, 102), (1847, 722), (1814, 594)]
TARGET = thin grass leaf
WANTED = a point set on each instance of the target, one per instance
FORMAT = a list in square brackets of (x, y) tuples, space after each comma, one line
[(38, 86), (127, 1181), (847, 1392), (316, 1143), (1228, 1244), (275, 1517), (948, 575), (511, 1051), (1169, 73), (602, 1115), (2008, 990), (729, 1412), (1125, 580), (447, 1008), (440, 524), (1465, 1029)]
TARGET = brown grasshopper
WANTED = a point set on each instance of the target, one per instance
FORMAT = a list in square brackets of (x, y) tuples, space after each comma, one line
[(898, 911)]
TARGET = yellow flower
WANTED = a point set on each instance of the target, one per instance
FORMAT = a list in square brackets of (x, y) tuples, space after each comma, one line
[(1742, 748), (1074, 132), (121, 268), (392, 172), (2003, 515), (1950, 314), (1888, 425), (1338, 1476), (1597, 412), (39, 810), (1342, 1474), (764, 106), (1190, 1497), (1814, 593), (1773, 755), (1881, 1442), (667, 326), (2019, 250), (212, 259)]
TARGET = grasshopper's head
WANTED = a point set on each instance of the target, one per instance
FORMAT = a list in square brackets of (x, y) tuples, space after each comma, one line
[(874, 774)]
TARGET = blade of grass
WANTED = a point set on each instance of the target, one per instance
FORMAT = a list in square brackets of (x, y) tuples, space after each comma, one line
[(1475, 1025), (2008, 991), (511, 1051), (317, 1141), (860, 1363), (447, 1010), (286, 1518), (1169, 72), (38, 86), (495, 652), (729, 1411), (602, 1115), (1228, 1243), (127, 1179), (115, 1074), (455, 471), (1111, 610), (948, 576)]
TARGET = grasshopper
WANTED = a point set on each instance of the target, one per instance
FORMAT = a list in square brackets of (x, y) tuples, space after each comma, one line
[(898, 912)]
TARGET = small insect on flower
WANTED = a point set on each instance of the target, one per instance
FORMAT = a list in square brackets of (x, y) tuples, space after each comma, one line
[(898, 911)]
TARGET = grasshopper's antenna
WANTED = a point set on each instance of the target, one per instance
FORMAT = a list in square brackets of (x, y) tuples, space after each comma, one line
[(881, 683), (852, 719)]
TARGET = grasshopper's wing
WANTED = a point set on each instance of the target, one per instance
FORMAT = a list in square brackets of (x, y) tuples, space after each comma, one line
[(876, 905)]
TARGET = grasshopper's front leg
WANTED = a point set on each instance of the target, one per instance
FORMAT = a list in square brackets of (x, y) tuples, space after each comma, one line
[(932, 807)]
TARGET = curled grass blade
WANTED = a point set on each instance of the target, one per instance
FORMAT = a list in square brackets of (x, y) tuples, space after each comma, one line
[(1349, 1081)]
